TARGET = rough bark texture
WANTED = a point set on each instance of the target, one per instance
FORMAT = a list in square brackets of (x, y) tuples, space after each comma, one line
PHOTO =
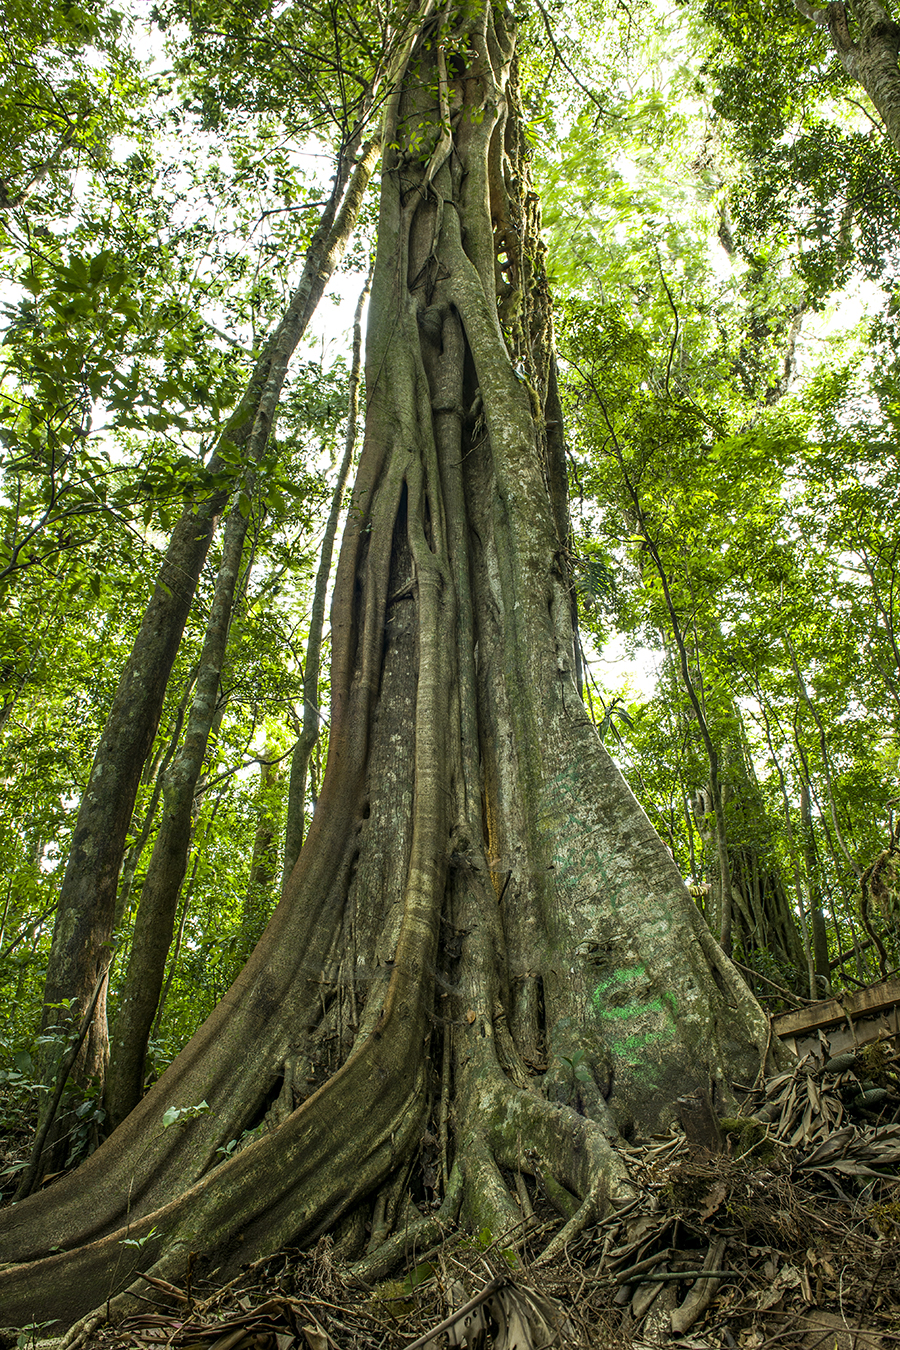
[(867, 43), (479, 897)]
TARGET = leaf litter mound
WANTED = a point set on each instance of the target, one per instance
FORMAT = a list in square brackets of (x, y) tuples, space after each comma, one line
[(784, 1233)]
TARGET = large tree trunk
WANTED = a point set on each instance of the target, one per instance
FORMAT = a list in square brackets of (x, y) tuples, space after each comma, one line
[(480, 897)]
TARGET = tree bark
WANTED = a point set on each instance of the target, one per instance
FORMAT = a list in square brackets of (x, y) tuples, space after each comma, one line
[(869, 53), (309, 732), (158, 771), (260, 883), (478, 888)]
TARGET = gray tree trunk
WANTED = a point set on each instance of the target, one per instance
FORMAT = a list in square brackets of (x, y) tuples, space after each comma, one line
[(868, 50), (479, 889)]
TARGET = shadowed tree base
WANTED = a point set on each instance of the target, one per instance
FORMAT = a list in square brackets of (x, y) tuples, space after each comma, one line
[(483, 935)]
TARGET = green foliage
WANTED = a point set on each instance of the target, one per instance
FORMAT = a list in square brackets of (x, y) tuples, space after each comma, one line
[(141, 272), (67, 81), (704, 194), (32, 1332), (139, 1243), (181, 1115), (578, 1070), (815, 164), (752, 526)]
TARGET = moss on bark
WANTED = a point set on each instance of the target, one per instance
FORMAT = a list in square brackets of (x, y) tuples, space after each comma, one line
[(483, 935)]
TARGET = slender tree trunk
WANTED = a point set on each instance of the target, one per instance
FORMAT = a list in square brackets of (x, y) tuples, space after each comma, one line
[(765, 919), (826, 761), (309, 733), (86, 910), (133, 856), (472, 837), (795, 859), (186, 897), (696, 698), (168, 862), (260, 883), (814, 891)]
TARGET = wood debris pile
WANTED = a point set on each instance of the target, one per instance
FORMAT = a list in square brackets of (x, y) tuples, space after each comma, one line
[(821, 1094), (781, 1246), (788, 1236)]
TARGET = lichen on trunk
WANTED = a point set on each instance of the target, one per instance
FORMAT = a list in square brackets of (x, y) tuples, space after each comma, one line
[(482, 935)]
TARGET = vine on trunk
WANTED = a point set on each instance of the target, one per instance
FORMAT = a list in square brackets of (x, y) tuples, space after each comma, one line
[(485, 964)]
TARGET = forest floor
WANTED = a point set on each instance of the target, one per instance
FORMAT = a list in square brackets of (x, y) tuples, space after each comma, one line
[(796, 1218)]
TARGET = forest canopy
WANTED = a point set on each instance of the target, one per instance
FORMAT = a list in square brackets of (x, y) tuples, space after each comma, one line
[(597, 306)]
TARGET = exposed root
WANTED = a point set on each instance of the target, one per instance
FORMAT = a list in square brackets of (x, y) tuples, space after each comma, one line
[(320, 1175), (418, 1237), (388, 1201), (562, 1200), (580, 1220), (576, 1167), (82, 1333), (488, 1208), (295, 1069), (523, 1197)]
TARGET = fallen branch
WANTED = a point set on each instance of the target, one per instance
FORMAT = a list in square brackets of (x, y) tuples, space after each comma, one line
[(455, 1317), (703, 1293)]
